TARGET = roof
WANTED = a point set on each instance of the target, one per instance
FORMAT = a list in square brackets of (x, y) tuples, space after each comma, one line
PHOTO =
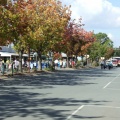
[(7, 54)]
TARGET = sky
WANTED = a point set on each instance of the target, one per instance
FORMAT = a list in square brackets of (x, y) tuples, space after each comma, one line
[(98, 16)]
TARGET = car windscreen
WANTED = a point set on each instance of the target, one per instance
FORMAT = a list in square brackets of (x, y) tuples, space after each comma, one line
[(114, 60), (117, 58)]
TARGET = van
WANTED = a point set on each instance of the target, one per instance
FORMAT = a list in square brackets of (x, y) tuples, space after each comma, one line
[(118, 60), (115, 62)]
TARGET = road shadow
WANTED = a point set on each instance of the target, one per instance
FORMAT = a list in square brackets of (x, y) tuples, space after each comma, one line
[(15, 102), (65, 77)]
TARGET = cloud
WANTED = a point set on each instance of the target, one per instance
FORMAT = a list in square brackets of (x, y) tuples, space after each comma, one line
[(95, 13), (110, 35)]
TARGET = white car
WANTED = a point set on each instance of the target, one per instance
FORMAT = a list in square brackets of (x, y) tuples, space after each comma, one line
[(109, 62), (118, 60), (115, 62)]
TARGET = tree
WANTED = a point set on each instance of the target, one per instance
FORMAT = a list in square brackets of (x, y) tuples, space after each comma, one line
[(101, 47), (15, 24), (116, 52), (3, 27), (3, 2), (36, 25), (47, 25), (76, 40)]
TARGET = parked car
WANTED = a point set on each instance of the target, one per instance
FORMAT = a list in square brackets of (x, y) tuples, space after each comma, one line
[(115, 62), (118, 60), (109, 64)]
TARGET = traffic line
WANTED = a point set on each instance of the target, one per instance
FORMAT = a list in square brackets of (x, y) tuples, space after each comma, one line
[(111, 82), (69, 117), (106, 85), (98, 106)]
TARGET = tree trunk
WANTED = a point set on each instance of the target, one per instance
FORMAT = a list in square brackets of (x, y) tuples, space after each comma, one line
[(53, 64), (39, 61), (76, 60), (67, 61), (20, 61), (29, 59)]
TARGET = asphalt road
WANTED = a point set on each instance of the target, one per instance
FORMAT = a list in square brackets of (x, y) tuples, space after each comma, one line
[(86, 94)]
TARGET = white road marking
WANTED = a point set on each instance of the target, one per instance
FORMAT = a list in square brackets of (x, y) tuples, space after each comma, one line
[(106, 85), (99, 106), (69, 117), (111, 81)]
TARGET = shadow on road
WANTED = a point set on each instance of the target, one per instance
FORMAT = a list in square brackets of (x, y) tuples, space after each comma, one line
[(66, 77), (17, 102), (13, 102)]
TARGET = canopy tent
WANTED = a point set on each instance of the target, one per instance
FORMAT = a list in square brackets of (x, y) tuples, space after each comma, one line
[(10, 55), (6, 54)]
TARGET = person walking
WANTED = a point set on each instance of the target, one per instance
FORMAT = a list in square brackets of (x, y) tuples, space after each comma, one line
[(61, 63), (16, 65), (103, 64), (7, 65), (2, 66), (110, 65)]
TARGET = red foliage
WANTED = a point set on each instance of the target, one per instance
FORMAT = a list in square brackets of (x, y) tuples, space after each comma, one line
[(57, 55), (76, 39)]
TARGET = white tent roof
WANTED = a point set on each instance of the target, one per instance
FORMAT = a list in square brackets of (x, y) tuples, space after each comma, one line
[(6, 54), (64, 55)]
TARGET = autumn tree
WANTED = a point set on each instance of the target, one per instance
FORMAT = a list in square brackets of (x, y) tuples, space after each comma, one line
[(15, 23), (47, 26), (35, 24), (2, 27), (76, 40), (3, 2)]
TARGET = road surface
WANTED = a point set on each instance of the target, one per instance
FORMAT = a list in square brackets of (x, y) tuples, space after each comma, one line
[(86, 94)]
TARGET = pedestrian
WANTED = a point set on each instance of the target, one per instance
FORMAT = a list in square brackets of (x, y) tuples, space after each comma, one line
[(104, 63), (56, 63), (109, 65), (73, 63), (2, 67), (64, 64), (7, 65), (16, 65), (61, 63)]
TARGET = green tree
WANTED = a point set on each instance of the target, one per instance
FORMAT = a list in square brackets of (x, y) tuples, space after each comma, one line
[(101, 46)]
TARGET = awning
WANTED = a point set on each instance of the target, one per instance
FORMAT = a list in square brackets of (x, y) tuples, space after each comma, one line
[(6, 54), (63, 55)]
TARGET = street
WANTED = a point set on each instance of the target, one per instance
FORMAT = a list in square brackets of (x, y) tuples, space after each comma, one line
[(88, 94)]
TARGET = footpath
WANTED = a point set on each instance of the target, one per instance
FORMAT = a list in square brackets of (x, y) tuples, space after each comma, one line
[(10, 74)]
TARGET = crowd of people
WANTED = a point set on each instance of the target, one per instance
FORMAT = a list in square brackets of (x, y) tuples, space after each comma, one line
[(6, 66), (63, 63), (105, 64)]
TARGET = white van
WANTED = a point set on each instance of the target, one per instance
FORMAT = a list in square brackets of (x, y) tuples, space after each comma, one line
[(118, 60), (115, 62)]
